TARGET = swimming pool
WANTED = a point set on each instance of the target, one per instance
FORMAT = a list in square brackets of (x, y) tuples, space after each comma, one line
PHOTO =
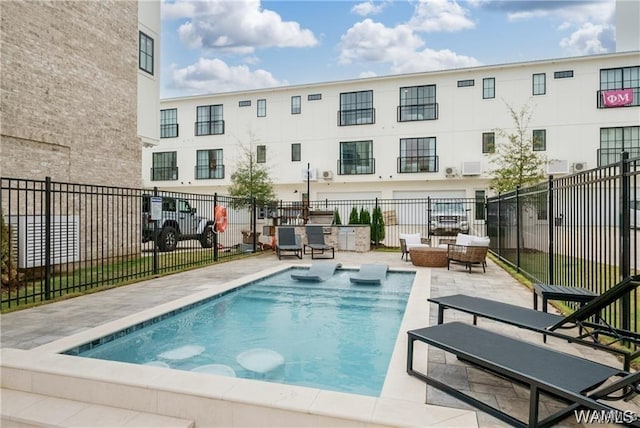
[(332, 335)]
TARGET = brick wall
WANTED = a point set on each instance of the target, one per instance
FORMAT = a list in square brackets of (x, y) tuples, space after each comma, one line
[(69, 91)]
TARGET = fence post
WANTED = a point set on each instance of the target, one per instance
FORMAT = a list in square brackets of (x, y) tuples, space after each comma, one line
[(499, 224), (47, 238), (215, 228), (625, 232), (518, 225), (551, 219), (254, 220), (155, 237)]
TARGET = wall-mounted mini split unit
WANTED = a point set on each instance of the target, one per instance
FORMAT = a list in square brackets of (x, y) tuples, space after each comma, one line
[(327, 175), (579, 167), (450, 171), (558, 167), (310, 174), (471, 168)]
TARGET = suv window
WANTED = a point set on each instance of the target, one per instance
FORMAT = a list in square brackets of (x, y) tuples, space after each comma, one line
[(168, 204), (184, 206)]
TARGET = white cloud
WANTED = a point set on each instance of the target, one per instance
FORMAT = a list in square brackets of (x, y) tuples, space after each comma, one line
[(589, 39), (440, 15), (213, 75), (366, 74), (368, 8), (238, 26)]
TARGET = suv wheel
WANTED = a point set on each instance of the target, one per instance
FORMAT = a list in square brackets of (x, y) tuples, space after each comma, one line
[(168, 239), (207, 237)]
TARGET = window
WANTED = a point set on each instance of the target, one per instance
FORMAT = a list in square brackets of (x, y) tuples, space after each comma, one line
[(169, 123), (356, 108), (418, 155), (209, 164), (480, 205), (145, 53), (465, 83), (164, 166), (618, 79), (539, 140), (262, 108), (296, 106), (563, 74), (488, 88), (314, 97), (418, 103), (488, 142), (539, 84), (209, 120), (261, 154), (244, 103), (296, 152), (356, 157), (615, 140)]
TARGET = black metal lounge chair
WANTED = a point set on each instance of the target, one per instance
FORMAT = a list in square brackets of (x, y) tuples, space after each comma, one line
[(597, 333), (317, 272), (288, 241), (370, 274), (315, 241), (566, 377)]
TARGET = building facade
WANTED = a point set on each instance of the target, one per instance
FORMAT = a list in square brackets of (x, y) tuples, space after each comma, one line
[(80, 89), (405, 136)]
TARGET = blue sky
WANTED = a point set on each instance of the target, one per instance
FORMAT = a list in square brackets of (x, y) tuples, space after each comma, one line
[(228, 45)]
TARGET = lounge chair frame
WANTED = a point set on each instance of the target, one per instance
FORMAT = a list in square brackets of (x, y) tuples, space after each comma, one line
[(563, 376), (315, 242), (597, 333), (288, 242)]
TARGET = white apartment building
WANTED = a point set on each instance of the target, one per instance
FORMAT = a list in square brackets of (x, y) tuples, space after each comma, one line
[(402, 136)]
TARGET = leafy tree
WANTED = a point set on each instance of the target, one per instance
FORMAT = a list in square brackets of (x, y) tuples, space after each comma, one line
[(354, 217), (336, 217), (377, 226), (251, 180), (517, 163), (365, 217)]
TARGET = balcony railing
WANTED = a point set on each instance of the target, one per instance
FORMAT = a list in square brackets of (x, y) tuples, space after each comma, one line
[(167, 173), (417, 112), (612, 156), (411, 164), (635, 101), (363, 116), (361, 166), (204, 172), (211, 127), (169, 130)]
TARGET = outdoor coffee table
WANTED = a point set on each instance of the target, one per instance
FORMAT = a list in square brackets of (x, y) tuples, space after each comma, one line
[(428, 256)]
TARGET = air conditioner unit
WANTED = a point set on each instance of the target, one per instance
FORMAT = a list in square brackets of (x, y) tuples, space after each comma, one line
[(471, 168), (579, 167), (558, 167), (310, 174), (450, 171), (327, 175)]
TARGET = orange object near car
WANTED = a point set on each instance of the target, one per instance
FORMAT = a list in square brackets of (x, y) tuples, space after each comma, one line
[(220, 215)]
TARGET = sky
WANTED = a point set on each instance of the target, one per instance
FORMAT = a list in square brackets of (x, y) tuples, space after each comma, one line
[(216, 46)]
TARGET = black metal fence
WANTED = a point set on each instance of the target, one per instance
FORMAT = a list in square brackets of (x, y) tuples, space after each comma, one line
[(579, 230)]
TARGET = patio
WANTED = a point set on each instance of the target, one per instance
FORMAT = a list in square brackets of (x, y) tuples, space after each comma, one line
[(35, 327)]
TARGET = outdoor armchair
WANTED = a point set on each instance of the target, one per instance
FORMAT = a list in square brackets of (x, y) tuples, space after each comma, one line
[(411, 240), (468, 250)]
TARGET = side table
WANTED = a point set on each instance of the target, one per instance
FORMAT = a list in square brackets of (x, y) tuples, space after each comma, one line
[(560, 292)]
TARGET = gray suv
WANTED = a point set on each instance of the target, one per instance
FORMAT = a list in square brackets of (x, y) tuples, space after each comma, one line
[(179, 222), (448, 218)]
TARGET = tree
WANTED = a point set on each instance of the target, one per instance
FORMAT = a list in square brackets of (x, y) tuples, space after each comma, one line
[(354, 217), (517, 164), (251, 180), (365, 217), (336, 217), (377, 226)]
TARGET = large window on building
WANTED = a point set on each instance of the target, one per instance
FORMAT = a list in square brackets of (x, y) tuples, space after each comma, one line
[(418, 155), (262, 108), (296, 104), (539, 140), (356, 108), (480, 205), (296, 152), (417, 103), (539, 82), (164, 166), (209, 164), (623, 84), (261, 154), (210, 120), (488, 142), (169, 123), (613, 141), (489, 88), (356, 157), (145, 52)]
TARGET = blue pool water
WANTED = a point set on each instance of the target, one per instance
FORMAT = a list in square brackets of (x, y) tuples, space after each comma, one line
[(331, 335)]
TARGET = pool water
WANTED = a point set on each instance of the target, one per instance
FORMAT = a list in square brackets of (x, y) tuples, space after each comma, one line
[(331, 335)]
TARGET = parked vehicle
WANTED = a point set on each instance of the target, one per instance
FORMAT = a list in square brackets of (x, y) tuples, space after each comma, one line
[(178, 222), (448, 218)]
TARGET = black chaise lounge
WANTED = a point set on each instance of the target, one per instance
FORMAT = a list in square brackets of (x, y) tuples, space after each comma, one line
[(566, 377), (315, 242), (288, 241), (597, 333)]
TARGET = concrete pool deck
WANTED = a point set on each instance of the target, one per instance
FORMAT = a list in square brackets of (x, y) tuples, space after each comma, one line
[(42, 331)]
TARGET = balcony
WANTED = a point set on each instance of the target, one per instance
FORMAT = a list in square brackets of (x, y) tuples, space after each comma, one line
[(359, 167), (412, 164), (167, 173), (211, 127), (204, 172), (363, 116), (169, 130), (417, 112)]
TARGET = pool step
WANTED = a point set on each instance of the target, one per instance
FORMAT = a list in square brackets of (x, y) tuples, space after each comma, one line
[(25, 409)]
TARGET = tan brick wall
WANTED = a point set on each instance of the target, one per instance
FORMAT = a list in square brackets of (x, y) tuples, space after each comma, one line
[(69, 91)]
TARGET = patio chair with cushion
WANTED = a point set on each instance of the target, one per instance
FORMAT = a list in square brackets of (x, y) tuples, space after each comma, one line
[(592, 331), (288, 241), (468, 250), (411, 240), (315, 242)]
